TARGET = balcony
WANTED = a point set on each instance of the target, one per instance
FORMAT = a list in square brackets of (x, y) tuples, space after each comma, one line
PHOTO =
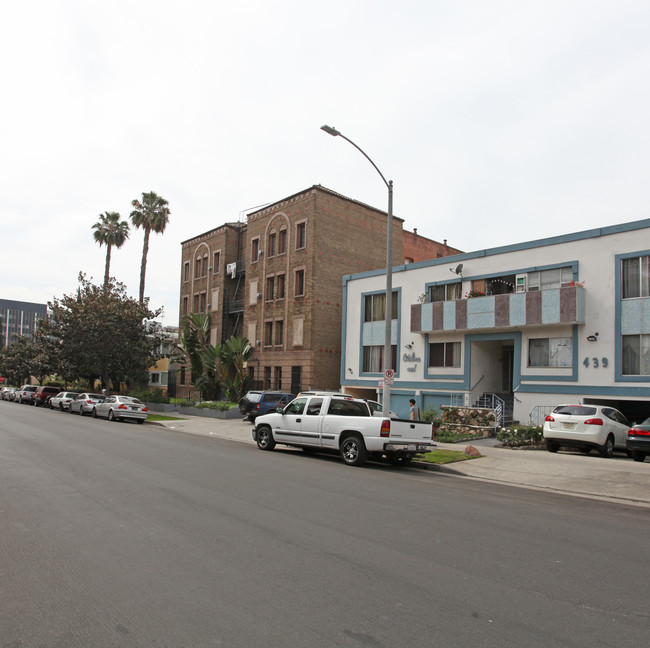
[(559, 306)]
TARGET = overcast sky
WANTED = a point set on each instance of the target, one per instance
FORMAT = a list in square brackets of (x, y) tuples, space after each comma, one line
[(498, 122)]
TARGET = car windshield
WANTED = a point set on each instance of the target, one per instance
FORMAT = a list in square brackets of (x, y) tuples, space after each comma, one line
[(575, 410)]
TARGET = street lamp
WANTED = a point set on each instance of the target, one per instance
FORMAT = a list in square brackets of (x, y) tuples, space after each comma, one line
[(389, 273)]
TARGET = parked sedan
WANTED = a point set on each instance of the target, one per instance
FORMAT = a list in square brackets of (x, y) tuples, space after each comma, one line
[(638, 440), (7, 393), (84, 403), (587, 428), (120, 408), (62, 400)]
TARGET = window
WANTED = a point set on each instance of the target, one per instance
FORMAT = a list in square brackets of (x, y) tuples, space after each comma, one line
[(347, 408), (444, 354), (252, 292), (301, 235), (268, 333), (446, 292), (550, 352), (182, 376), (279, 287), (279, 333), (267, 377), (373, 358), (197, 268), (255, 250), (315, 405), (272, 240), (278, 378), (375, 307), (154, 379), (636, 355), (282, 241), (636, 277), (196, 304), (270, 284), (185, 305), (202, 302), (186, 271), (299, 283), (547, 279), (216, 263), (205, 265), (298, 330), (297, 406)]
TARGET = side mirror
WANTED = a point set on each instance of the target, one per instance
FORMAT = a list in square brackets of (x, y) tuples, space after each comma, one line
[(280, 410)]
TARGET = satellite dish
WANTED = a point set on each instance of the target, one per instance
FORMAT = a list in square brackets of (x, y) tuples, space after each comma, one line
[(459, 268)]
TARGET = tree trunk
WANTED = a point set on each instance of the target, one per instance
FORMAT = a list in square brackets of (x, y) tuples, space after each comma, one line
[(107, 270), (143, 266)]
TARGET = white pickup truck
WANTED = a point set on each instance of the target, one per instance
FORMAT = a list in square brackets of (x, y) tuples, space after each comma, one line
[(345, 425)]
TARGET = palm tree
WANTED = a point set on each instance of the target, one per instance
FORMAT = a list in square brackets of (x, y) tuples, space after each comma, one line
[(152, 214), (110, 231)]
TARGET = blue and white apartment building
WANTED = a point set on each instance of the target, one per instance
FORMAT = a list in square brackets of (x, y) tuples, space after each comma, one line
[(533, 325)]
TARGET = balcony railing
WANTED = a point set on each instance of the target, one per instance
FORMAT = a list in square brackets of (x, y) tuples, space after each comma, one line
[(559, 306)]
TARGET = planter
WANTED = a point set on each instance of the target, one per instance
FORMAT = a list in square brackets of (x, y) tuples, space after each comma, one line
[(210, 413), (161, 407)]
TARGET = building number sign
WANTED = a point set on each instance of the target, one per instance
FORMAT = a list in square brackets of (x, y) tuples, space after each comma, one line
[(595, 362)]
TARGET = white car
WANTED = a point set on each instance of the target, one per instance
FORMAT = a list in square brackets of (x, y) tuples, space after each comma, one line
[(587, 428), (120, 408), (62, 400), (84, 403), (26, 394)]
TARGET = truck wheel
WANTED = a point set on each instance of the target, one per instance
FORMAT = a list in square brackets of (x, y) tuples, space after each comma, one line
[(243, 405), (353, 450), (395, 459), (265, 440)]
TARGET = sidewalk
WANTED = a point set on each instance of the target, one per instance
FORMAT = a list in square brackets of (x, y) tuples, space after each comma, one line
[(617, 479)]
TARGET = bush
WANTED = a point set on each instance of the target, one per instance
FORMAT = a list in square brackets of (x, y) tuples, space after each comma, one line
[(220, 406), (522, 435), (153, 395)]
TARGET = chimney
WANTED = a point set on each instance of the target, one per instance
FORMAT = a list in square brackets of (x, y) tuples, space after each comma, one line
[(415, 230), (445, 242)]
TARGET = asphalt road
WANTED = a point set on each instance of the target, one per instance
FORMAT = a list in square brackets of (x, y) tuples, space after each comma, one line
[(128, 535)]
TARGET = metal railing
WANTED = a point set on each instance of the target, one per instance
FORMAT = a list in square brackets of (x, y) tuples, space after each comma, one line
[(481, 400), (539, 413)]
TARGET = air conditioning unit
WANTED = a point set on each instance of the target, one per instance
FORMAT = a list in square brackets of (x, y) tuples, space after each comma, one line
[(520, 283)]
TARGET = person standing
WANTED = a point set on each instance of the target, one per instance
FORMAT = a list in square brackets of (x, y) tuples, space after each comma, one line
[(415, 411)]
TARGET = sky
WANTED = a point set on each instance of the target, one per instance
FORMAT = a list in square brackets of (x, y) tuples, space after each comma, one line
[(499, 122)]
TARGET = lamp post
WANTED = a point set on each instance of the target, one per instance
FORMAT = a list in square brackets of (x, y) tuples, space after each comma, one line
[(389, 273)]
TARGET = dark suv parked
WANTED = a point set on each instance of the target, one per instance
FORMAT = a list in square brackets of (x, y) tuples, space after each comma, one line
[(269, 401), (43, 394)]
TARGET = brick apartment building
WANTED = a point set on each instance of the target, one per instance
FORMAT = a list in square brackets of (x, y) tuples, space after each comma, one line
[(277, 280)]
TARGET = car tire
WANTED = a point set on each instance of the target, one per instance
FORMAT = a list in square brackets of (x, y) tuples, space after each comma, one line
[(243, 405), (265, 440), (607, 449), (111, 416), (94, 412), (61, 407), (353, 450), (551, 446), (638, 456), (140, 421)]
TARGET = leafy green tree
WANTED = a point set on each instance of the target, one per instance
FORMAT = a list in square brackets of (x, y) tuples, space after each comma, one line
[(111, 232), (16, 360), (194, 350), (152, 215), (103, 333), (235, 354)]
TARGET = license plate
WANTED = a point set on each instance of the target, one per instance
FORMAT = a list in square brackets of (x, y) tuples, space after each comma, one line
[(412, 446), (567, 426)]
